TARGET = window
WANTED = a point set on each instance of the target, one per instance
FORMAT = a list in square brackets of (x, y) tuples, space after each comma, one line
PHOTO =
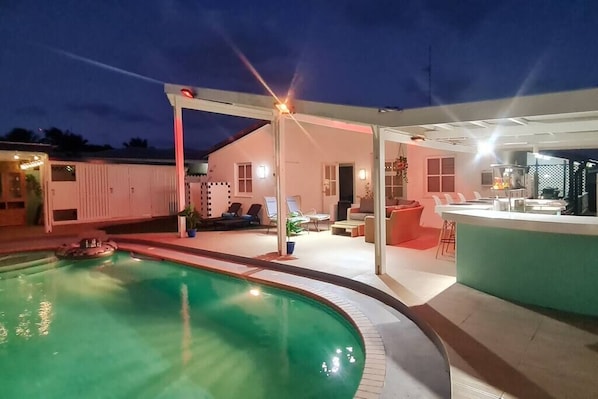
[(244, 180), (440, 175), (64, 173), (393, 183)]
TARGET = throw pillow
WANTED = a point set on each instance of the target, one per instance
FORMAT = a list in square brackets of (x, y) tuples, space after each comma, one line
[(366, 205)]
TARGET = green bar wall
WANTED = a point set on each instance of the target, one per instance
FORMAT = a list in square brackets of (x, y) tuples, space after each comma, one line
[(558, 271)]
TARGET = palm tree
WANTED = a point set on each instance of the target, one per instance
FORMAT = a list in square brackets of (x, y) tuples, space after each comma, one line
[(66, 142), (136, 142)]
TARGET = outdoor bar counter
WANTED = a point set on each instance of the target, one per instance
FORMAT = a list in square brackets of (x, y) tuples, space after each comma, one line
[(536, 259)]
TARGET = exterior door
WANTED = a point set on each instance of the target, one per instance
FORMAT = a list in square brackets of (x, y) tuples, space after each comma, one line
[(330, 194), (140, 181), (118, 191)]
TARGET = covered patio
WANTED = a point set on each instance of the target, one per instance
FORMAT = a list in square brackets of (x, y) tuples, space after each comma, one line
[(546, 122)]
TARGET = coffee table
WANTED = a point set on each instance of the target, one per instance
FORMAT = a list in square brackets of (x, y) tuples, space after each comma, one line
[(354, 227)]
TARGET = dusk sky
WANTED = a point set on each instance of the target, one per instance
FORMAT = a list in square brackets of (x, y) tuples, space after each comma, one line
[(97, 68)]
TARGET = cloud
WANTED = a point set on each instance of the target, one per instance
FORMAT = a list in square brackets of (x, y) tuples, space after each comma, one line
[(31, 111), (465, 17), (384, 14), (103, 110)]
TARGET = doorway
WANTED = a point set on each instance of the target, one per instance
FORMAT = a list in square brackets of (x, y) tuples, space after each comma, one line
[(345, 190), (346, 181)]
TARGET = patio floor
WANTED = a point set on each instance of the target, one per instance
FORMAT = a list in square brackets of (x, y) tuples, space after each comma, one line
[(496, 349)]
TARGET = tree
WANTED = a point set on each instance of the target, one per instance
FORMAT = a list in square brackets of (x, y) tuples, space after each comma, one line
[(136, 142), (20, 135), (66, 142)]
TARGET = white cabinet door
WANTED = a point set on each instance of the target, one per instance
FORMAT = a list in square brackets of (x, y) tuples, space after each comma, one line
[(118, 191), (140, 182)]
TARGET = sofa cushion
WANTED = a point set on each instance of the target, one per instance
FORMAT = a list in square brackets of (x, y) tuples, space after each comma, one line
[(366, 205), (405, 202), (391, 201), (360, 215)]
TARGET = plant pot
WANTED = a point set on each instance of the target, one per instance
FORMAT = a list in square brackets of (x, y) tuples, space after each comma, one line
[(290, 247), (191, 232)]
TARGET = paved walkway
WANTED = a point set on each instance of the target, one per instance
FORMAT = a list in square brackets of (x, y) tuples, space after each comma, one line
[(496, 349)]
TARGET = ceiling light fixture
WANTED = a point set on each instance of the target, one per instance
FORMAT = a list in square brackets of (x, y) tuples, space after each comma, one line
[(31, 165), (283, 108)]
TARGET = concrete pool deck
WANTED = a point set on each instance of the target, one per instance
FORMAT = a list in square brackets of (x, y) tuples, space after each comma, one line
[(496, 349)]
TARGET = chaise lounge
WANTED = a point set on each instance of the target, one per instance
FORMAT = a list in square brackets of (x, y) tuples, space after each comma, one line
[(249, 219)]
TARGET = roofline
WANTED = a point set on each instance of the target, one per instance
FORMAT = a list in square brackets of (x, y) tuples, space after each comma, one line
[(237, 136), (577, 101)]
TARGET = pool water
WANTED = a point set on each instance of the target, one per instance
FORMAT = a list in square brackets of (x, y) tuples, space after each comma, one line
[(126, 328)]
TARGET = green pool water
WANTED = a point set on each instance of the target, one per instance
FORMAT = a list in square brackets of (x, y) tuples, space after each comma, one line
[(126, 328)]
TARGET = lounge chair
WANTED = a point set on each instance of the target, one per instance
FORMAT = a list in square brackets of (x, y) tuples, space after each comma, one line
[(233, 211), (314, 217), (252, 217), (273, 213)]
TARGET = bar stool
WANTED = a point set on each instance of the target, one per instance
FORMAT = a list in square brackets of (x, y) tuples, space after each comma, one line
[(446, 239), (447, 233)]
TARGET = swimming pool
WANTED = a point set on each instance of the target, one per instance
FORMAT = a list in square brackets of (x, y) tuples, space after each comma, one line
[(124, 327)]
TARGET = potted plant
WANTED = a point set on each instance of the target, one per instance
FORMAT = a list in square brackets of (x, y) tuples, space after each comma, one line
[(192, 217), (293, 228)]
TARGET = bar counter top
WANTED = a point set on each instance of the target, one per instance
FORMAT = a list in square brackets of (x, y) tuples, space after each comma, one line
[(561, 224)]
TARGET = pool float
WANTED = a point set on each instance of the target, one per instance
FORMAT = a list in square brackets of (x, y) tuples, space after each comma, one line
[(87, 248)]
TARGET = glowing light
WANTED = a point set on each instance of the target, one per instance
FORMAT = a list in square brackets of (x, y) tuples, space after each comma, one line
[(188, 93), (261, 171), (254, 292), (283, 108), (32, 164), (485, 147), (362, 174), (16, 156)]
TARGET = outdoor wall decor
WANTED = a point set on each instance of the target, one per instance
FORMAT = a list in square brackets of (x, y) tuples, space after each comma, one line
[(400, 164)]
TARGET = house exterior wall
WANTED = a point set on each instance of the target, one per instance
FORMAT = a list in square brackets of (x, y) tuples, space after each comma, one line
[(307, 148), (310, 146)]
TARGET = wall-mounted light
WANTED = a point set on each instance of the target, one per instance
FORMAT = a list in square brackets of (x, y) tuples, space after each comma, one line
[(261, 171), (188, 93), (362, 174)]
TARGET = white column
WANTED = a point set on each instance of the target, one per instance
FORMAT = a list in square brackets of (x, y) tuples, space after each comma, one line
[(281, 209), (179, 156), (379, 202)]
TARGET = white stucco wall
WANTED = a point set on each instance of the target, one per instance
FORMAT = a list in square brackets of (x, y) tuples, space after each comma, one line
[(468, 168), (310, 146)]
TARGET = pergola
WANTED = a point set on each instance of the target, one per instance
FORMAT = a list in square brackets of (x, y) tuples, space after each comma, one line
[(564, 120)]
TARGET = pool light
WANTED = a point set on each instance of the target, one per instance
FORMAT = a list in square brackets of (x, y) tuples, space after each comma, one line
[(254, 292)]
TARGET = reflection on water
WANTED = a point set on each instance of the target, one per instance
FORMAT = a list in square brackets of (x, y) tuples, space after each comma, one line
[(196, 333), (186, 342)]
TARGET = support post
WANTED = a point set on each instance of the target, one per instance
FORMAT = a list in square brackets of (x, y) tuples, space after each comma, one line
[(280, 159), (379, 202), (179, 156)]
